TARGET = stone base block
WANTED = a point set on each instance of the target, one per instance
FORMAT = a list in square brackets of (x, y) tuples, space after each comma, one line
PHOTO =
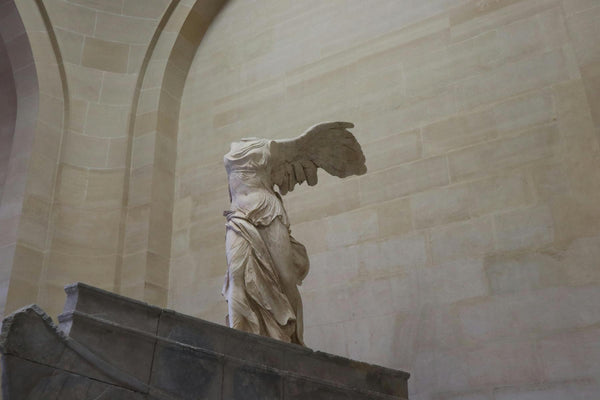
[(110, 347)]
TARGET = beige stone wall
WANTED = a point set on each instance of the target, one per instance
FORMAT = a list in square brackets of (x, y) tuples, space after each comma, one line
[(19, 111), (469, 254), (71, 202), (8, 112), (87, 78), (8, 119), (90, 177)]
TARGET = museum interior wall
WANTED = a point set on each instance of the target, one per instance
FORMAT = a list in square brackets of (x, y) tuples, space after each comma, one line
[(81, 206), (467, 255), (8, 113), (18, 114), (8, 116)]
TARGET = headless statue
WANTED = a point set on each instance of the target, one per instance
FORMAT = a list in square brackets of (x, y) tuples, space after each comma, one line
[(265, 263)]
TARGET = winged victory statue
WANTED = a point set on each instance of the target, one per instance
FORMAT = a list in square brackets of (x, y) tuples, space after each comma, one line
[(265, 263)]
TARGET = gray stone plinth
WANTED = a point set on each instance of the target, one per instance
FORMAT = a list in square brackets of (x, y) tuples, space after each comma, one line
[(110, 347)]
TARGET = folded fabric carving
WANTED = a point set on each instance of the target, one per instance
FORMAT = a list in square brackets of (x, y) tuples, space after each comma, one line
[(265, 263)]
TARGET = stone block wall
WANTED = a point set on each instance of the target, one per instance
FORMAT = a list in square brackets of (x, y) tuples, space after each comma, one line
[(8, 113), (468, 254), (8, 117), (18, 155), (103, 46), (85, 149)]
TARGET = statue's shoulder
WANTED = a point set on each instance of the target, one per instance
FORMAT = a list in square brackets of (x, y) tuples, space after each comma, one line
[(246, 150)]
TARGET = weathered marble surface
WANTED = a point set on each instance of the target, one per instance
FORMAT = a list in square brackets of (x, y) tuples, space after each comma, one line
[(265, 263), (111, 347)]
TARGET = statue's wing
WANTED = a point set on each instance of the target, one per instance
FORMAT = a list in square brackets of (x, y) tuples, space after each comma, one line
[(328, 145)]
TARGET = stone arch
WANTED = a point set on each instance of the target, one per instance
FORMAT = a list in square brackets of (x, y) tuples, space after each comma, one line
[(147, 245), (165, 173), (35, 149), (147, 206)]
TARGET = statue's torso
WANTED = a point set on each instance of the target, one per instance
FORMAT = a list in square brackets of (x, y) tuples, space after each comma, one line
[(250, 185)]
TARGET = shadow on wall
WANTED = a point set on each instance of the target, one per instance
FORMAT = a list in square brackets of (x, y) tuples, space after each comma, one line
[(46, 234), (19, 100)]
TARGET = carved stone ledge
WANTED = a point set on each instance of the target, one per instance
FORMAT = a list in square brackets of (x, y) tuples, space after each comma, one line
[(109, 346)]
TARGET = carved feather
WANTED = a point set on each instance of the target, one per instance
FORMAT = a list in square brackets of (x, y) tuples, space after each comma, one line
[(328, 145)]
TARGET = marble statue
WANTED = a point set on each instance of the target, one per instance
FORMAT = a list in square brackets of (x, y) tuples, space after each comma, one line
[(265, 263)]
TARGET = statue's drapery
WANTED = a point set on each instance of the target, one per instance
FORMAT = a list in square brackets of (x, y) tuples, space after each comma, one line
[(259, 298), (265, 263)]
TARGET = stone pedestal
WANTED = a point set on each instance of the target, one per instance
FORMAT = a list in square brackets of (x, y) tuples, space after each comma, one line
[(110, 347)]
